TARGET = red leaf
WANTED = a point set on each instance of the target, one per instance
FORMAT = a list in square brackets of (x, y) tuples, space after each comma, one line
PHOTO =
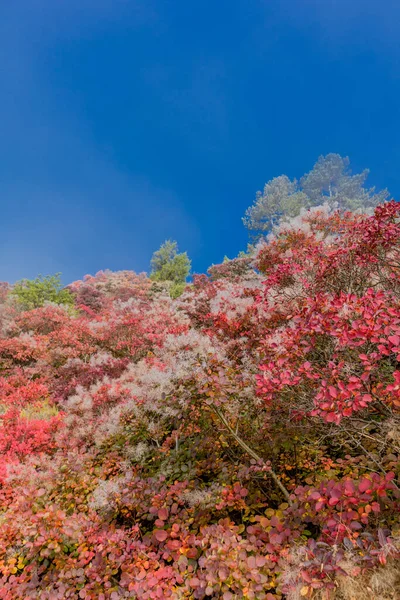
[(160, 535), (364, 485), (349, 487), (163, 514), (306, 576), (375, 507), (333, 391), (260, 561), (174, 544), (331, 417)]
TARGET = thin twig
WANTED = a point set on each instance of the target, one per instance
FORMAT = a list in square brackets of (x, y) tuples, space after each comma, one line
[(253, 454), (378, 464)]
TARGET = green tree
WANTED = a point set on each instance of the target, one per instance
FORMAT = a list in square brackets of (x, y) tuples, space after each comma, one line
[(33, 293), (167, 265), (329, 181)]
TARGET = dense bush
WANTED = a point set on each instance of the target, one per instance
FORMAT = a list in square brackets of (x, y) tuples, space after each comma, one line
[(241, 441)]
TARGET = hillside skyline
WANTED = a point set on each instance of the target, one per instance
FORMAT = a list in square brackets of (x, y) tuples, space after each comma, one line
[(125, 124)]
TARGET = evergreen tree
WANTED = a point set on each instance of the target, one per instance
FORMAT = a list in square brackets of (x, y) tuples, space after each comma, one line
[(168, 265), (330, 181)]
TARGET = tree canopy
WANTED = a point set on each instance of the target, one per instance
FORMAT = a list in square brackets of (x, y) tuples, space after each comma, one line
[(329, 181), (33, 293), (167, 265)]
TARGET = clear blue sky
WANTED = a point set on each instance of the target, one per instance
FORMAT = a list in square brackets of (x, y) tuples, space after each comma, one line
[(124, 123)]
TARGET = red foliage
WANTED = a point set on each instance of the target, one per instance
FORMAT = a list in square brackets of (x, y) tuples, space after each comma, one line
[(195, 448)]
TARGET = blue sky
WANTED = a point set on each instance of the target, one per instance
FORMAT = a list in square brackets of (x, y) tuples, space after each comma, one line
[(124, 123)]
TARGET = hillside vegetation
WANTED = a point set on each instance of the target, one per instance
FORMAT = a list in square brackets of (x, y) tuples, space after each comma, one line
[(240, 440)]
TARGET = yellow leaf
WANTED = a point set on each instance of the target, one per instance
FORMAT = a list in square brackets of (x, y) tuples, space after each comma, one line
[(264, 522), (304, 590)]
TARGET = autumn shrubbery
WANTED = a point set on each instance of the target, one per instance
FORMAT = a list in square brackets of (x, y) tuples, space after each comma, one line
[(240, 441)]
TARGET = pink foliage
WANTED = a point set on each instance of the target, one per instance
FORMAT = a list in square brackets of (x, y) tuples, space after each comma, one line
[(191, 448)]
